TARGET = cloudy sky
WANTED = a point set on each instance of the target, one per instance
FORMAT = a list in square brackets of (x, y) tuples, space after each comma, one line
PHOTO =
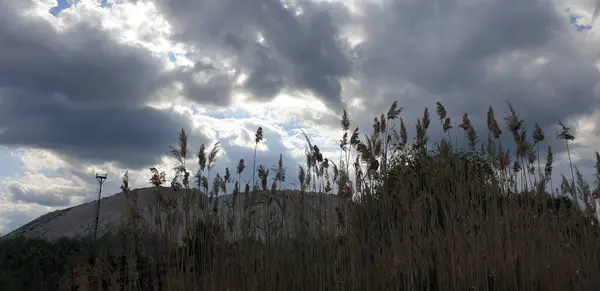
[(105, 85)]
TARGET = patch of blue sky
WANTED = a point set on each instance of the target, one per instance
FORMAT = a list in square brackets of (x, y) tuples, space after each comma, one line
[(12, 166), (578, 26), (105, 3), (178, 57), (61, 5), (172, 57)]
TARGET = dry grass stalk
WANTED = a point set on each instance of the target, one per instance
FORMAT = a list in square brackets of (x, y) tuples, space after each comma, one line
[(414, 219)]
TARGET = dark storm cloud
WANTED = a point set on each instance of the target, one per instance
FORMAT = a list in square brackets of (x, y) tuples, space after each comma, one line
[(80, 92), (83, 63), (204, 83), (302, 51), (447, 51), (131, 137)]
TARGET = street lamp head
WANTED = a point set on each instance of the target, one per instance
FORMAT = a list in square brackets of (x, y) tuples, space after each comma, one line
[(101, 177)]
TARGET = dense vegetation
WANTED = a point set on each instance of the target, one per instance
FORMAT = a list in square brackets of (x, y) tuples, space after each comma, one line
[(418, 216)]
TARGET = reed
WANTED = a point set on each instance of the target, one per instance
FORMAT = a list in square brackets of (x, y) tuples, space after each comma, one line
[(425, 215)]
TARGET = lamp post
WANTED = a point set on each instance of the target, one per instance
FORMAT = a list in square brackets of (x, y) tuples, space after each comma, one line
[(100, 177)]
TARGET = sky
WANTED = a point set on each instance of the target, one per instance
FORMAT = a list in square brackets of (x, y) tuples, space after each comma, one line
[(106, 85)]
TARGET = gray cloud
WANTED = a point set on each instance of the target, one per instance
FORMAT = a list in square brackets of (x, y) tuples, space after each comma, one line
[(45, 198), (425, 51), (415, 52), (81, 93), (83, 63), (133, 137), (303, 51), (205, 83)]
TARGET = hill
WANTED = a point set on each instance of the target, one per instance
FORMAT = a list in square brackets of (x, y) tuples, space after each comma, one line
[(78, 221)]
